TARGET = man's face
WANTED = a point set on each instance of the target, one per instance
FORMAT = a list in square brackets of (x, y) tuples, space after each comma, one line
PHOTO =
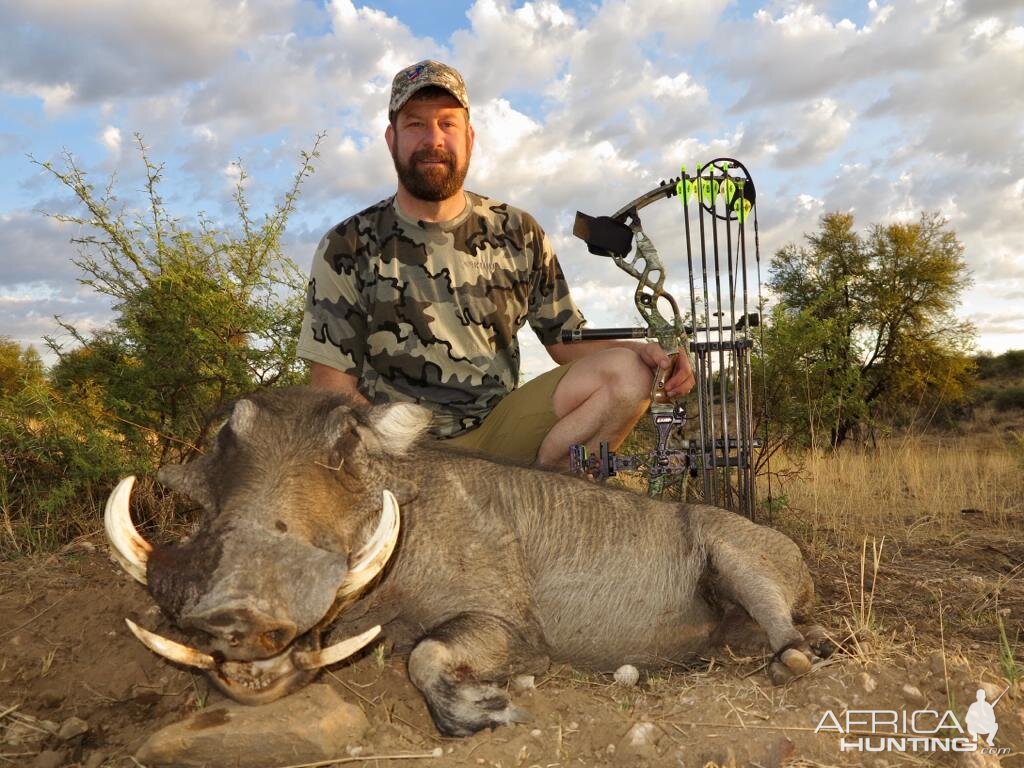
[(431, 142)]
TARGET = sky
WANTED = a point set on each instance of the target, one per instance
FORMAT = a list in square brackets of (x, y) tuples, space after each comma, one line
[(882, 109)]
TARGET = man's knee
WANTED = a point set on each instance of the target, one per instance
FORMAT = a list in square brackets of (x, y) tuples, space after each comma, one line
[(617, 377), (625, 376)]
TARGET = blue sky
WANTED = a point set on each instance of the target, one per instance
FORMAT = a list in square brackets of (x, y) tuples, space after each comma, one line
[(886, 109)]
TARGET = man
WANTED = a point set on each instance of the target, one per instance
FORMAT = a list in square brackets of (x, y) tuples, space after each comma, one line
[(419, 297)]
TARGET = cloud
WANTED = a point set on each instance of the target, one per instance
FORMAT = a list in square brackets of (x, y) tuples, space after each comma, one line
[(27, 314), (35, 249), (989, 323), (111, 139), (821, 127), (912, 106), (85, 52), (527, 46)]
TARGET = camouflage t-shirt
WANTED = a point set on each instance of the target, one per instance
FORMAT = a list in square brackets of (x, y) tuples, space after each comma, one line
[(428, 312)]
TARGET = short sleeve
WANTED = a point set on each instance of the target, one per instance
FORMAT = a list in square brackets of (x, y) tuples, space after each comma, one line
[(335, 320), (551, 307)]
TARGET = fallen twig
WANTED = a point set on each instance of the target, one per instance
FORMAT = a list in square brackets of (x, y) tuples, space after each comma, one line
[(364, 758), (28, 722)]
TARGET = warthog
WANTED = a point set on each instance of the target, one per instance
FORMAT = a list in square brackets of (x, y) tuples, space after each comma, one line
[(493, 571)]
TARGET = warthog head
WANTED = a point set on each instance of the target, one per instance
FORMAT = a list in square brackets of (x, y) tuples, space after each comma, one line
[(297, 524)]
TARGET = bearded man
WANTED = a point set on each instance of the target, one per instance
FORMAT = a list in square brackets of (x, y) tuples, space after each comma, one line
[(419, 297)]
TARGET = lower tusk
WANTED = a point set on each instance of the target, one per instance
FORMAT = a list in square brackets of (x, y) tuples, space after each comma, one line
[(126, 544), (169, 649), (332, 654), (373, 556)]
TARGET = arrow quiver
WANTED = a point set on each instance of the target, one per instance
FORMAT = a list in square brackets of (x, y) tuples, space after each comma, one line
[(718, 213)]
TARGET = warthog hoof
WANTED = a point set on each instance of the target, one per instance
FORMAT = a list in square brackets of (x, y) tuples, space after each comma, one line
[(798, 659), (788, 664), (459, 702), (471, 707)]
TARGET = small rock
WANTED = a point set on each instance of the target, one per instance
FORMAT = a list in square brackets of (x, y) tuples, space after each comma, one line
[(642, 734), (867, 682), (95, 760), (913, 694), (937, 663), (437, 752), (523, 683), (536, 733), (312, 725), (48, 759), (354, 750), (72, 728), (627, 675)]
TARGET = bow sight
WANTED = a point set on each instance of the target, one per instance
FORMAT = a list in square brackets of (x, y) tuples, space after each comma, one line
[(718, 204)]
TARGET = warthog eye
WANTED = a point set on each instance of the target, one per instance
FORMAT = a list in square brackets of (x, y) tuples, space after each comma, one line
[(281, 526)]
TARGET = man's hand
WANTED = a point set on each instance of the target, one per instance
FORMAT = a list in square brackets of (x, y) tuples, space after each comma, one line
[(325, 377), (681, 380)]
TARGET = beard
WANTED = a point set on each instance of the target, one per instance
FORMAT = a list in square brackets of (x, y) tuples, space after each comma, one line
[(431, 183)]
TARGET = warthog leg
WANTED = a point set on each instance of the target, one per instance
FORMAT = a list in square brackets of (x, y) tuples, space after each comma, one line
[(763, 572), (457, 667)]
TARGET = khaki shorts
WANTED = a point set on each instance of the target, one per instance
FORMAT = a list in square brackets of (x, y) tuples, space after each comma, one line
[(518, 425)]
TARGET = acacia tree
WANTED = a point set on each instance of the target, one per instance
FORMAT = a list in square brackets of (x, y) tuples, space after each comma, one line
[(203, 312), (19, 367), (865, 328)]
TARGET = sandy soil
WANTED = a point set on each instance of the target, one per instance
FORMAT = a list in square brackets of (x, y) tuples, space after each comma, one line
[(65, 653)]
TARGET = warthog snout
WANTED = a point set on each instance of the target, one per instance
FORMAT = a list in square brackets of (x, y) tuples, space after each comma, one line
[(241, 631)]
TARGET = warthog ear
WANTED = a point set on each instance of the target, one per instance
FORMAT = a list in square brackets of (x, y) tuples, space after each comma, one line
[(243, 416), (397, 426)]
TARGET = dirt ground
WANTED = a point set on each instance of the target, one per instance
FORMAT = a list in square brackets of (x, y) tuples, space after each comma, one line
[(931, 641)]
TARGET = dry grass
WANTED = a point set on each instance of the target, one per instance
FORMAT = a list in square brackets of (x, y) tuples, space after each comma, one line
[(926, 487)]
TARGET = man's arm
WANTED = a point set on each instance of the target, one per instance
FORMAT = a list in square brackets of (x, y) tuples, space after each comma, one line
[(325, 377), (678, 384)]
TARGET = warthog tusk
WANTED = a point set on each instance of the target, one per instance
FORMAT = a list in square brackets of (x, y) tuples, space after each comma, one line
[(372, 556), (169, 649), (126, 544), (333, 653)]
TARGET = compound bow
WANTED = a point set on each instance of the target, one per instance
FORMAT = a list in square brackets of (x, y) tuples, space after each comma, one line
[(723, 195)]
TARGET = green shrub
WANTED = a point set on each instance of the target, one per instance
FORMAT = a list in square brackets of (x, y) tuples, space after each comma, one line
[(1011, 398), (58, 461), (1009, 364), (204, 313)]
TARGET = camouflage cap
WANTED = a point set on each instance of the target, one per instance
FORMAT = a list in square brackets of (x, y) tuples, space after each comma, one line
[(422, 74)]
